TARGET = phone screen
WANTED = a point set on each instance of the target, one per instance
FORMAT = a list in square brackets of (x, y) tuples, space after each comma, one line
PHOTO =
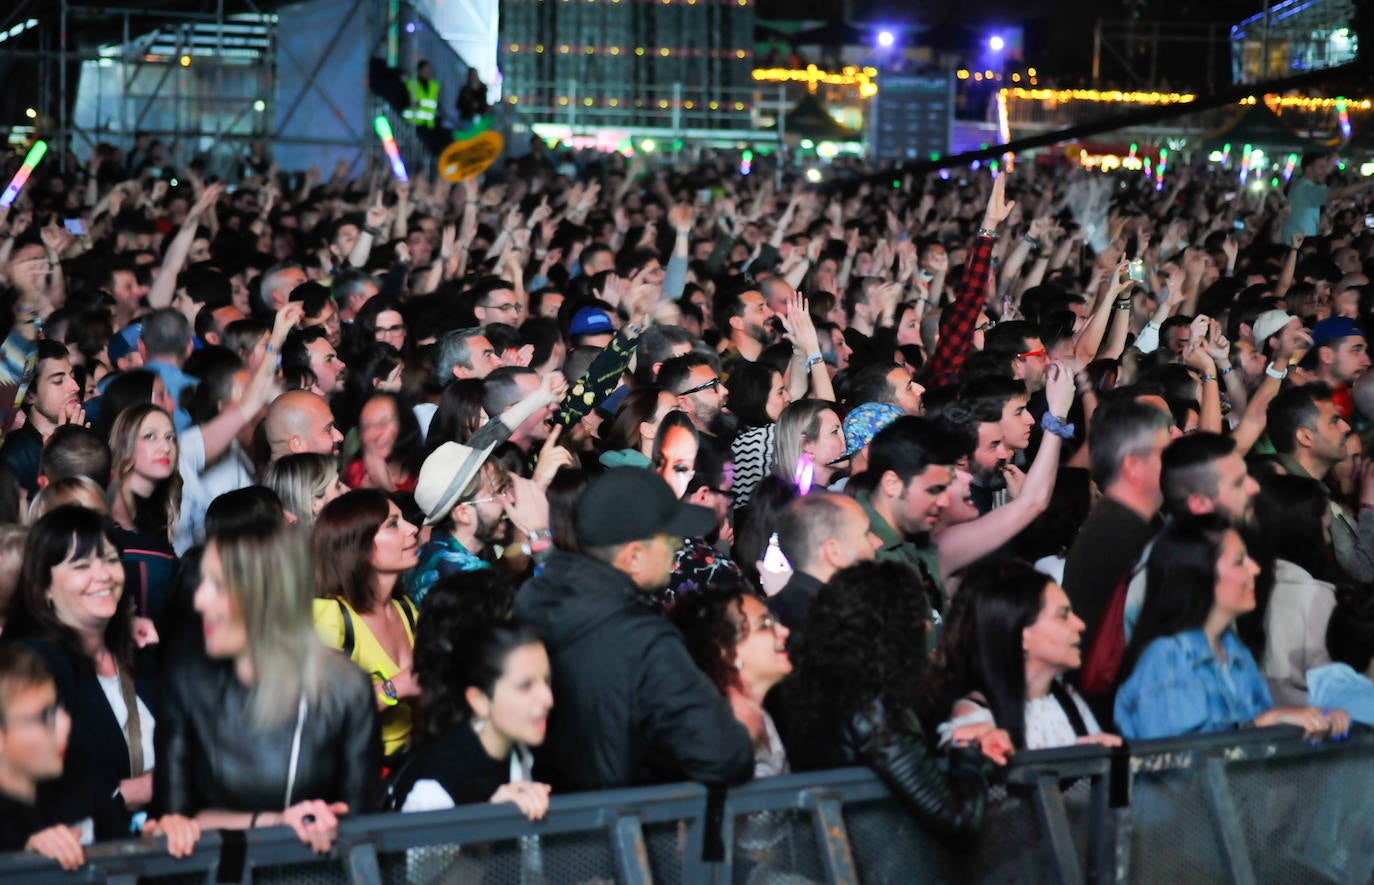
[(75, 226)]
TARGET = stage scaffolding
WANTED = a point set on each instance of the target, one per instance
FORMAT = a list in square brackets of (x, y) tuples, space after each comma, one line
[(208, 82)]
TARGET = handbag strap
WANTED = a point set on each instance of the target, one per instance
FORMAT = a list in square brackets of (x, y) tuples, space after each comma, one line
[(1066, 702), (133, 723), (295, 749)]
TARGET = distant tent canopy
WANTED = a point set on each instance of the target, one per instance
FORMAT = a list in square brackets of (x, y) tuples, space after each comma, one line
[(1257, 125), (808, 119)]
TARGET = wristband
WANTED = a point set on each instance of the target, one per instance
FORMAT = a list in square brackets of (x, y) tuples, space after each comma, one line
[(371, 231), (1053, 425), (1225, 371), (253, 821), (813, 359), (1211, 378), (1275, 373), (991, 234)]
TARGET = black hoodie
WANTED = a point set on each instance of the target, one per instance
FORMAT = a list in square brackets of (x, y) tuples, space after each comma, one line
[(630, 705)]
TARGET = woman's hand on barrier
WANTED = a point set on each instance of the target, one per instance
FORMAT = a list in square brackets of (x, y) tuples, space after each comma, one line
[(531, 798), (181, 833), (997, 746), (60, 843), (1102, 739), (316, 822), (1315, 722)]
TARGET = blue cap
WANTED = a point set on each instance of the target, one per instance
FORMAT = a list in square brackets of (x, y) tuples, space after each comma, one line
[(863, 423), (591, 321), (1328, 330), (124, 342)]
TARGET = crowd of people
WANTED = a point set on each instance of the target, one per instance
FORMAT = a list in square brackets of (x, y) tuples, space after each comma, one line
[(374, 495)]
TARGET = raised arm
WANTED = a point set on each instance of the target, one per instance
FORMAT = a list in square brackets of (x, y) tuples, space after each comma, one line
[(165, 286)]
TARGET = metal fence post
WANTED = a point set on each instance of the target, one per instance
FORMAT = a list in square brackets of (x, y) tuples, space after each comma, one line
[(360, 865), (1227, 820), (832, 837), (631, 854), (1054, 818)]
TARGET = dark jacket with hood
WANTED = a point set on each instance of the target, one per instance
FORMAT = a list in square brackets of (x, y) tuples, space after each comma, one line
[(630, 706)]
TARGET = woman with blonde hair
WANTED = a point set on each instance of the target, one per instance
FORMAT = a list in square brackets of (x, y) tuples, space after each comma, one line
[(268, 727), (304, 483), (145, 500)]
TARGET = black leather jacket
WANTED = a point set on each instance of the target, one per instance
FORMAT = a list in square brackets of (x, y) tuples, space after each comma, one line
[(948, 803), (210, 754)]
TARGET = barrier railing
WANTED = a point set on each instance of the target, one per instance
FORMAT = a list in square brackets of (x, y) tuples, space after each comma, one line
[(1254, 806)]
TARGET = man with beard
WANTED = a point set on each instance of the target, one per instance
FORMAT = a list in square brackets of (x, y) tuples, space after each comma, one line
[(472, 503), (632, 707), (1199, 473), (748, 326), (911, 467), (1312, 438), (699, 389)]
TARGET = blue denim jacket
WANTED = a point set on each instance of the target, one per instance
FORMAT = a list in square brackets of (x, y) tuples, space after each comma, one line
[(1179, 687)]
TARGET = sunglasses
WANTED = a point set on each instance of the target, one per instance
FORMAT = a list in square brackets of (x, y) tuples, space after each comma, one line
[(1042, 353), (709, 385)]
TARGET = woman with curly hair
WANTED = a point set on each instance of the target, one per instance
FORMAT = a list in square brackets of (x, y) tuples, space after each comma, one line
[(860, 666), (742, 649), (487, 696), (1011, 637)]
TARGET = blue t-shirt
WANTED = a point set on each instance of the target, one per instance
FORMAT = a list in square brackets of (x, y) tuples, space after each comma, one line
[(1306, 199)]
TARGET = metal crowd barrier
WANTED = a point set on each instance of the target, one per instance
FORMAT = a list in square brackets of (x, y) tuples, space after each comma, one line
[(1252, 806)]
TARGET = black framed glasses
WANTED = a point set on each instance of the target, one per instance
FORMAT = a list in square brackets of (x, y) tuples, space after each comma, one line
[(709, 385)]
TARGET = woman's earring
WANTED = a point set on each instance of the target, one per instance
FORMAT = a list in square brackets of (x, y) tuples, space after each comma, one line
[(478, 725), (739, 665)]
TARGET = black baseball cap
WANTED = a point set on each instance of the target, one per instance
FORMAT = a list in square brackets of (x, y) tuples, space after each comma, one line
[(631, 504)]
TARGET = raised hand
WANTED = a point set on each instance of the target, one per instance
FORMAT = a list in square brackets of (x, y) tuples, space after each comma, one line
[(999, 207)]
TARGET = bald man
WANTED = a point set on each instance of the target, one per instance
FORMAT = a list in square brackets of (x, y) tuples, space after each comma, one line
[(300, 421)]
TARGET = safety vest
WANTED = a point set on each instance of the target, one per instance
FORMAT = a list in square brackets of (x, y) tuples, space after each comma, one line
[(424, 102)]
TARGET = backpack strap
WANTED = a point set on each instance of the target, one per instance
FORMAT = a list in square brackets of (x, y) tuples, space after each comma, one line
[(349, 639), (1061, 694)]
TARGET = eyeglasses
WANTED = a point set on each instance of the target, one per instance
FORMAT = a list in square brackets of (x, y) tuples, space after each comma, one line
[(983, 327), (709, 385), (768, 623), (47, 717), (1042, 353), (497, 495), (510, 307)]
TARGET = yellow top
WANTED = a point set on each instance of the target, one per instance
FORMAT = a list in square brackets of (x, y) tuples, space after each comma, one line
[(368, 653)]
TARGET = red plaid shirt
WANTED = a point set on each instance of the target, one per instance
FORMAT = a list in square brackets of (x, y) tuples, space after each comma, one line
[(961, 317)]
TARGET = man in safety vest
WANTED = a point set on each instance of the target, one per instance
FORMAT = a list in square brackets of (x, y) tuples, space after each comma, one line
[(424, 97)]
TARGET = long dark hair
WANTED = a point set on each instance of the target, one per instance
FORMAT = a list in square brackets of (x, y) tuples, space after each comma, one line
[(863, 646), (344, 535), (459, 414), (639, 406), (1180, 583), (408, 451), (66, 533), (1288, 517), (710, 625), (981, 648), (464, 634), (750, 384)]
